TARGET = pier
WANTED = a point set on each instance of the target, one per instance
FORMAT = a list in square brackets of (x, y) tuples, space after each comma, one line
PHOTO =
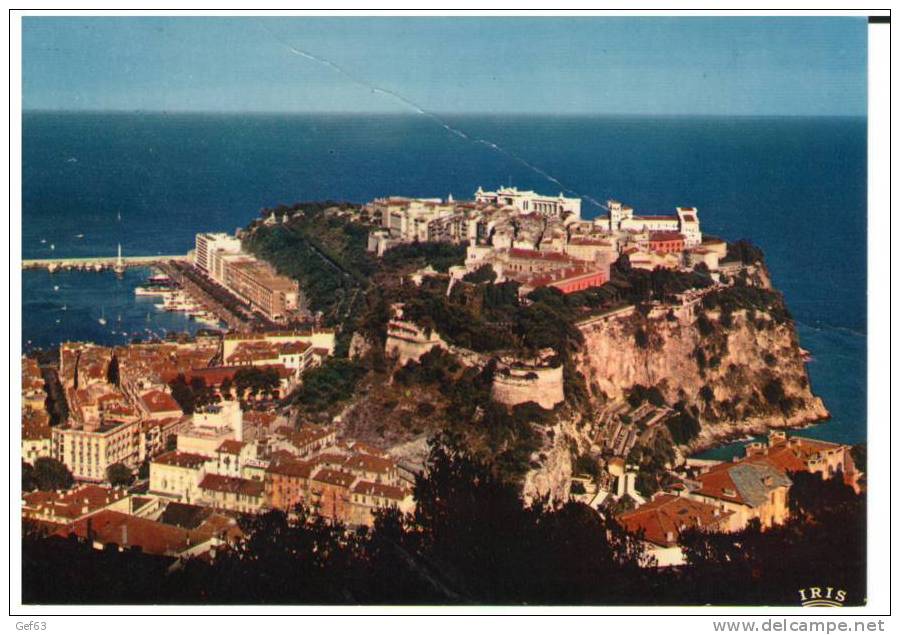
[(99, 263)]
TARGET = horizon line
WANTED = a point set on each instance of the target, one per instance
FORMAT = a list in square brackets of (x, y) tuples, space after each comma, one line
[(387, 113)]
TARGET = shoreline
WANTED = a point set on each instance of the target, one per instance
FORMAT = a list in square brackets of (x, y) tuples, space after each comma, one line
[(719, 435)]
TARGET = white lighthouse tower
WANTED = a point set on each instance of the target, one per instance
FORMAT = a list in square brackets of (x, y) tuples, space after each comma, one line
[(119, 267)]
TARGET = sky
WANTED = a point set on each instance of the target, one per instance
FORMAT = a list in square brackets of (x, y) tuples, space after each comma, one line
[(659, 66)]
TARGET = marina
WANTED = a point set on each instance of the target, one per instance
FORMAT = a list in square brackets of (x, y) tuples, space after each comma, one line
[(69, 305)]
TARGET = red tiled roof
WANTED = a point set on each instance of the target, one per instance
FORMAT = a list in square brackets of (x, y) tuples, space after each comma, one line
[(365, 448), (231, 484), (291, 467), (531, 254), (368, 463), (333, 477), (211, 376), (329, 458), (74, 503), (664, 518), (655, 217), (181, 459), (231, 446), (35, 425), (666, 236), (159, 401), (259, 417), (368, 488), (291, 348), (131, 531), (305, 435)]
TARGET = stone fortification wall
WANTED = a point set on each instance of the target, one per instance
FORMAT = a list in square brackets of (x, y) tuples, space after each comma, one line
[(544, 386), (406, 341)]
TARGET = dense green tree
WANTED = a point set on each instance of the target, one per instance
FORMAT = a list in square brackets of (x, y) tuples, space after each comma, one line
[(112, 371), (329, 384), (745, 252), (683, 426), (50, 474), (28, 482), (183, 394), (118, 475), (484, 274)]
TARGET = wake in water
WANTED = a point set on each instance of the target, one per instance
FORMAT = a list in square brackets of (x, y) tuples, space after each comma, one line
[(418, 109)]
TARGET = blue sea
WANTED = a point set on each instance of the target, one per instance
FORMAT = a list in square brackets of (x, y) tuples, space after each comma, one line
[(794, 186)]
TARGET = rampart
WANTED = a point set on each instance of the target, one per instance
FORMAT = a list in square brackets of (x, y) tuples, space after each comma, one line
[(519, 384)]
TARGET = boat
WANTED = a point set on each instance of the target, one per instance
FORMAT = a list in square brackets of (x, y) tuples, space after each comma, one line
[(102, 318), (159, 278), (152, 290), (56, 287), (208, 320), (52, 247), (79, 236), (65, 307), (43, 241)]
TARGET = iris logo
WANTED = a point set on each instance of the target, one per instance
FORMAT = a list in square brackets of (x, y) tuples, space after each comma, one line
[(819, 596)]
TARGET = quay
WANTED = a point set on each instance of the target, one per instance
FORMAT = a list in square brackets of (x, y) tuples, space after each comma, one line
[(99, 263), (214, 300)]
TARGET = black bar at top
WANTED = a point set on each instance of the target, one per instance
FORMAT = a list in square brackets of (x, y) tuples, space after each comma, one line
[(879, 19)]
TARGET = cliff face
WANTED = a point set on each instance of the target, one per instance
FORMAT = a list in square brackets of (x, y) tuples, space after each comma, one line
[(552, 478), (742, 369)]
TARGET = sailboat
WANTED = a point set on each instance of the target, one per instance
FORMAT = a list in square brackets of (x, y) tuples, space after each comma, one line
[(119, 216), (102, 319)]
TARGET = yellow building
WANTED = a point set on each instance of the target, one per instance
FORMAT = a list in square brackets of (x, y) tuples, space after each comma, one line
[(177, 475), (36, 436), (234, 494), (749, 489), (88, 452), (367, 497)]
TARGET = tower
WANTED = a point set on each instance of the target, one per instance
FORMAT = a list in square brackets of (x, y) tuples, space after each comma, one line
[(119, 267), (615, 214)]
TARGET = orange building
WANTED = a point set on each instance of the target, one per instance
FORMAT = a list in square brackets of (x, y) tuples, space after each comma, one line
[(287, 483), (666, 242), (330, 494), (566, 280)]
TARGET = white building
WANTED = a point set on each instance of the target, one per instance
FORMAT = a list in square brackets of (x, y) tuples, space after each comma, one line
[(209, 428), (205, 244), (528, 201), (422, 219), (621, 217)]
